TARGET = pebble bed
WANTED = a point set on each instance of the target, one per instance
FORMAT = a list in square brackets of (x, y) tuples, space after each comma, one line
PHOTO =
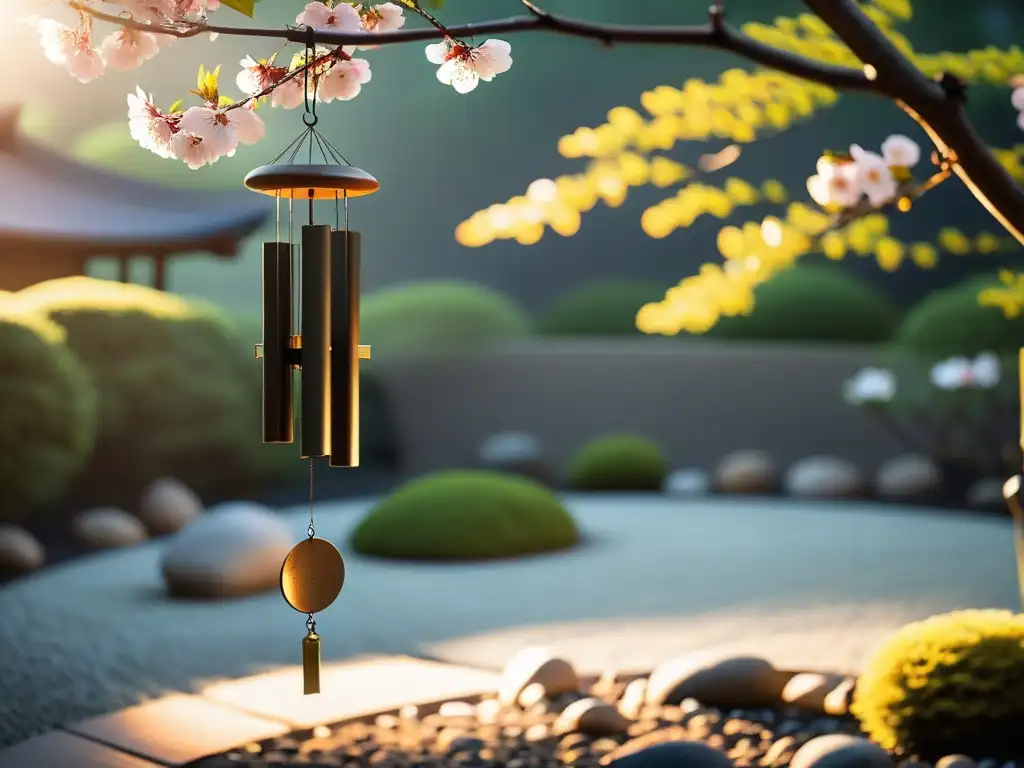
[(550, 732)]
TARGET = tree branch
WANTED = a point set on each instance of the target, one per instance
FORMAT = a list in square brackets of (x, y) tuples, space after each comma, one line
[(937, 106), (715, 34)]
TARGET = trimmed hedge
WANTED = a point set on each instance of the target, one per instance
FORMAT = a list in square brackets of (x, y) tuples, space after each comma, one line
[(48, 412), (466, 515), (175, 389), (437, 316), (618, 463), (814, 303), (600, 308)]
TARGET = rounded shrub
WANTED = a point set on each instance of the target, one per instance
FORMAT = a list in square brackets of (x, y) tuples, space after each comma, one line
[(175, 389), (600, 308), (951, 684), (814, 303), (466, 515), (48, 412), (434, 316), (618, 463), (952, 322)]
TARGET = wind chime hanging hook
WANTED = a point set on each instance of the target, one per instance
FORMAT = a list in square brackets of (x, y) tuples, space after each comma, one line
[(309, 116), (324, 348)]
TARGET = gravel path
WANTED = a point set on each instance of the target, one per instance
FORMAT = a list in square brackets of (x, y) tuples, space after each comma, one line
[(805, 585)]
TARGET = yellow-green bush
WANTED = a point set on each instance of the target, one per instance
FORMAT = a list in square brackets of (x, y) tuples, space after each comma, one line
[(618, 463), (599, 308), (953, 683), (466, 515), (48, 412), (176, 390)]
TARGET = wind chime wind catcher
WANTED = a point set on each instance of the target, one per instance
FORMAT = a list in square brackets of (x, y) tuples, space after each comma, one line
[(315, 330)]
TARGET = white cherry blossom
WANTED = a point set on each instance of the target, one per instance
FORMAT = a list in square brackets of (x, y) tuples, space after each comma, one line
[(249, 126), (870, 385), (874, 177), (191, 150), (289, 94), (463, 67), (900, 151), (344, 81), (72, 48), (342, 18), (128, 48), (152, 129), (257, 76), (384, 17), (836, 184), (214, 126)]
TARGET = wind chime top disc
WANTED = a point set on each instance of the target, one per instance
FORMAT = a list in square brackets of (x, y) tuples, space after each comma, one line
[(312, 575), (325, 182)]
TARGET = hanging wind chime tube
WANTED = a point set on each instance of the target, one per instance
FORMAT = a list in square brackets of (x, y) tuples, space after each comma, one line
[(325, 350)]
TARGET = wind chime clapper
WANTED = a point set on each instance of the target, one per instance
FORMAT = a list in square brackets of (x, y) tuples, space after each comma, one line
[(326, 352)]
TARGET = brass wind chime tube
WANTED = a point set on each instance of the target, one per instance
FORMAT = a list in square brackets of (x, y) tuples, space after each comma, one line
[(278, 397), (345, 268), (311, 663), (316, 340)]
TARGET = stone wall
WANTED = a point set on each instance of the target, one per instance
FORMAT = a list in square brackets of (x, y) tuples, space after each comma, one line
[(699, 400)]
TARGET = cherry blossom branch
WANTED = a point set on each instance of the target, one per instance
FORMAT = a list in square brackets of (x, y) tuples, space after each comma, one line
[(937, 106), (715, 34)]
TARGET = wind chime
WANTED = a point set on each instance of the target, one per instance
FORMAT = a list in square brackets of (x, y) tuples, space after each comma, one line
[(311, 324)]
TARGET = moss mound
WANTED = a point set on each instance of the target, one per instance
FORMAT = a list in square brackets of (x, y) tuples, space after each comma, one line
[(175, 388), (618, 463), (951, 684), (434, 316), (466, 515), (48, 412), (814, 303), (952, 322), (601, 308)]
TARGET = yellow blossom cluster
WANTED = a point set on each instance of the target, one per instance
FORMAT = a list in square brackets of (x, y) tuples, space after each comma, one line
[(697, 199), (1009, 297), (1012, 160)]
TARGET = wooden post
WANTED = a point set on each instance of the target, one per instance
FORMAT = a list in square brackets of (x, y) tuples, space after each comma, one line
[(160, 272)]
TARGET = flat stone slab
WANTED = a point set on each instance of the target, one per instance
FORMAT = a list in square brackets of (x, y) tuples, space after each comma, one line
[(808, 585), (59, 749), (352, 689), (178, 729)]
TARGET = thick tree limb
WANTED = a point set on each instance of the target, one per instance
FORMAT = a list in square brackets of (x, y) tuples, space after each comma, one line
[(937, 106)]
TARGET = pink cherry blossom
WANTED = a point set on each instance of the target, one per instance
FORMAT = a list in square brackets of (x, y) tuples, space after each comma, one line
[(256, 76), (385, 17), (191, 150), (341, 18), (152, 129), (463, 67), (215, 128), (73, 48), (289, 94), (344, 81), (249, 126), (128, 48), (150, 11)]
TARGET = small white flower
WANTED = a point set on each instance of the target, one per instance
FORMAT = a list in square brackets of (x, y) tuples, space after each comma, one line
[(344, 81), (215, 127), (873, 176), (129, 48), (870, 385), (257, 76), (1017, 98), (463, 67), (986, 370), (953, 373), (191, 150), (385, 17), (900, 151), (835, 184), (152, 129)]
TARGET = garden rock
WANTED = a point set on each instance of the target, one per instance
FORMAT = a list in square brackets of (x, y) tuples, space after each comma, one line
[(956, 761), (837, 750), (592, 717), (20, 551), (537, 665), (810, 689), (987, 493), (746, 472), (108, 528), (732, 682), (518, 453), (825, 477), (688, 482), (910, 477), (168, 506), (673, 754), (233, 550), (633, 698)]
